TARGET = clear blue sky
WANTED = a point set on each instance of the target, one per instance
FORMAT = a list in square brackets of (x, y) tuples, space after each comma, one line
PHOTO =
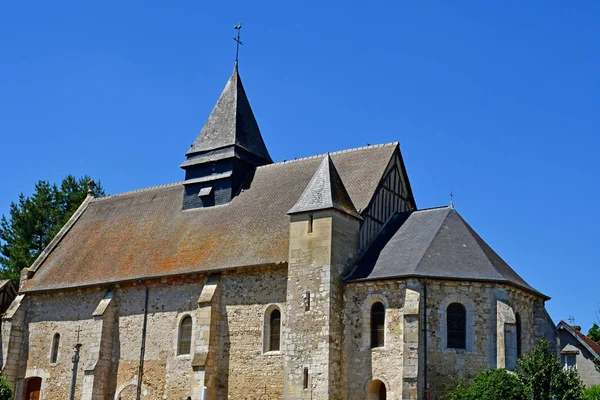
[(498, 102)]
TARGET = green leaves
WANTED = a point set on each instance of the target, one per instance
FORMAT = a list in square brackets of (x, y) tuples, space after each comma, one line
[(33, 221), (594, 333), (539, 376), (5, 390)]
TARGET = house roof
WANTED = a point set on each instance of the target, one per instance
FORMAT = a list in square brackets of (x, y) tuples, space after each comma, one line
[(325, 190), (434, 243), (588, 343), (231, 123), (146, 234)]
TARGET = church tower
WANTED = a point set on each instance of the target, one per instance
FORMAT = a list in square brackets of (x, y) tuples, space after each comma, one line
[(226, 152), (324, 226)]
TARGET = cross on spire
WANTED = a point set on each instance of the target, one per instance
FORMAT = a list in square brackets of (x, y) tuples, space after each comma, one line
[(237, 40)]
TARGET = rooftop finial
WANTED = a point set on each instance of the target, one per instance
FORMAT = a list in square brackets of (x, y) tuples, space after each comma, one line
[(237, 40), (451, 199), (91, 186)]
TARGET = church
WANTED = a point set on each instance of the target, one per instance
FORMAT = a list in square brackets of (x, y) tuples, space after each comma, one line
[(314, 278)]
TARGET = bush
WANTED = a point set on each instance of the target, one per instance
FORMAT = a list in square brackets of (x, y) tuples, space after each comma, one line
[(496, 384), (544, 376), (5, 390), (591, 393)]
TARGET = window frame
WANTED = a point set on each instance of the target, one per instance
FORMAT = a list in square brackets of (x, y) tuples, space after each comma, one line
[(54, 348), (377, 327), (268, 326), (456, 327), (180, 333)]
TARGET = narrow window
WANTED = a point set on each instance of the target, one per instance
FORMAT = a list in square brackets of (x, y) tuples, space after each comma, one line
[(307, 301), (518, 321), (185, 336), (377, 325), (305, 378), (569, 361), (456, 316), (310, 223), (54, 350), (274, 330)]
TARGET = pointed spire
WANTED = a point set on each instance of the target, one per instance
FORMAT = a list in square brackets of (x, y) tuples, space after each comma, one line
[(324, 191), (231, 123)]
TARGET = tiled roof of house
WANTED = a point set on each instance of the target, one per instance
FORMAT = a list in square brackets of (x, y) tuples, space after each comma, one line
[(595, 347), (145, 233), (434, 243)]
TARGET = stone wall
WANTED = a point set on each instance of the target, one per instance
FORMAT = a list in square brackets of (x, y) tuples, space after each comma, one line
[(115, 342)]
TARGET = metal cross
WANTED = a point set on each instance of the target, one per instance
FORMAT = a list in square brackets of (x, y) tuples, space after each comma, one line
[(238, 28), (78, 331)]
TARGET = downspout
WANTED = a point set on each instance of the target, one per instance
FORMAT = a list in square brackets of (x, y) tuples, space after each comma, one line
[(425, 383), (142, 349)]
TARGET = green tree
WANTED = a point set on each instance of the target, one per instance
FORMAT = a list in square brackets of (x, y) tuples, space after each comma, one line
[(496, 384), (34, 220), (591, 393), (544, 376), (594, 333), (5, 390)]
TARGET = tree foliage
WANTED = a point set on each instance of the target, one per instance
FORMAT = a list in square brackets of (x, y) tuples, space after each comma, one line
[(545, 378), (591, 393), (594, 333), (5, 390), (539, 376), (34, 220)]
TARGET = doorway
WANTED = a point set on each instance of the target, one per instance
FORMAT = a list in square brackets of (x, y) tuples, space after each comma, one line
[(376, 390), (34, 386)]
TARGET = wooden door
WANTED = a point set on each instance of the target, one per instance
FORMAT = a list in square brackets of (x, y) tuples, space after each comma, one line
[(33, 388)]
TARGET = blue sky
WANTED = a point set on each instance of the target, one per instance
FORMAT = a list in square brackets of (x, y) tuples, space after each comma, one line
[(495, 101)]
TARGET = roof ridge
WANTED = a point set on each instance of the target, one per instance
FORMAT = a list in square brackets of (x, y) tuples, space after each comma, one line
[(372, 146), (96, 199)]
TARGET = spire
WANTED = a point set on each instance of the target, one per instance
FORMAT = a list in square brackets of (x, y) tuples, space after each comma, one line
[(324, 191), (231, 123), (226, 152)]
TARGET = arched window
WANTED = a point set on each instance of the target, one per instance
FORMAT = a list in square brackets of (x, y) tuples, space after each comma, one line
[(518, 322), (54, 350), (274, 330), (184, 345), (377, 325), (456, 318)]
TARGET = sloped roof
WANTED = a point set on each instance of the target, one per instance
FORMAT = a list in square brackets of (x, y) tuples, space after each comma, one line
[(434, 243), (592, 346), (230, 123), (325, 190), (146, 234)]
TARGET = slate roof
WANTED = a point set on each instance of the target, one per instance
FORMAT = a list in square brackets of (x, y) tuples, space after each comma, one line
[(146, 234), (324, 191), (231, 123), (434, 243), (592, 346)]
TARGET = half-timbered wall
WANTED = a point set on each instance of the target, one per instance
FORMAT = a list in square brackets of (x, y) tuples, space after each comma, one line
[(393, 195)]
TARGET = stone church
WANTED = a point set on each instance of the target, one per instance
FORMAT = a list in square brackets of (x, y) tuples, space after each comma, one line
[(315, 278)]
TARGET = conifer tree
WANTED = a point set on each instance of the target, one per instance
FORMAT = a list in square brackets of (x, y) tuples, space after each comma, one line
[(34, 220)]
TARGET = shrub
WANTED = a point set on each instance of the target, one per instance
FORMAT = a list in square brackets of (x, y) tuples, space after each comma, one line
[(493, 384), (5, 390), (591, 393)]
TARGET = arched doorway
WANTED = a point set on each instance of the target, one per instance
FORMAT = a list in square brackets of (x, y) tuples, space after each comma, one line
[(376, 390), (33, 388)]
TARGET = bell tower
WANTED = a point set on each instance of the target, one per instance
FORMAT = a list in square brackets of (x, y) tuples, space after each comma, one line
[(226, 152)]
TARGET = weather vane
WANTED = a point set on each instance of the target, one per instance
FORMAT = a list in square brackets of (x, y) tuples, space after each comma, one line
[(238, 28)]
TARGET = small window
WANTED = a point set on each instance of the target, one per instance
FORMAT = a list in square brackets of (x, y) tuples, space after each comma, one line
[(274, 330), (307, 301), (377, 325), (54, 350), (518, 322), (185, 336), (569, 361), (456, 315), (305, 378), (310, 223)]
